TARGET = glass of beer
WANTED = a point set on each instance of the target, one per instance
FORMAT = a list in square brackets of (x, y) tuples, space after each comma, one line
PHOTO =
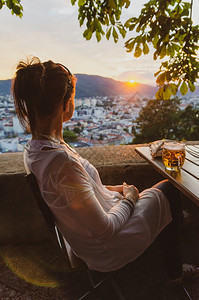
[(173, 155)]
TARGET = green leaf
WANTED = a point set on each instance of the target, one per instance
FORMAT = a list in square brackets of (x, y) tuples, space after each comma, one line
[(97, 25), (87, 34), (113, 4), (167, 37), (117, 15), (138, 28), (145, 48), (170, 51), (115, 35), (174, 88), (16, 10), (176, 47), (129, 21), (191, 86), (108, 34), (81, 2), (182, 38), (98, 36), (165, 64), (73, 2), (9, 4), (155, 55), (155, 40), (161, 79), (131, 27), (183, 88), (185, 12), (157, 73), (168, 76), (167, 93), (122, 31), (159, 93), (130, 45), (138, 51), (128, 2), (163, 51), (112, 20), (81, 21)]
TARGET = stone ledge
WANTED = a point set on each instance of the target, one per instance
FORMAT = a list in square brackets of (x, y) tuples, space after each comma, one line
[(12, 163)]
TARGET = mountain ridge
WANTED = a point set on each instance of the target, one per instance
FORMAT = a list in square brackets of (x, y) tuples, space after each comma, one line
[(96, 85)]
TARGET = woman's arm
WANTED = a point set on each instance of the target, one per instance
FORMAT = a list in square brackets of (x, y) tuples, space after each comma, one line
[(115, 188), (95, 219), (72, 187)]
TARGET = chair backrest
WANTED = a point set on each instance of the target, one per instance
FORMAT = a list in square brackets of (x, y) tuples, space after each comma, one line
[(65, 251), (69, 258)]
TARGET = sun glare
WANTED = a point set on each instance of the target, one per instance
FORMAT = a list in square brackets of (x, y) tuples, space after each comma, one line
[(132, 81)]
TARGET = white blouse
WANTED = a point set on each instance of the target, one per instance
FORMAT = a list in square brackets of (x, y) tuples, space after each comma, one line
[(93, 220)]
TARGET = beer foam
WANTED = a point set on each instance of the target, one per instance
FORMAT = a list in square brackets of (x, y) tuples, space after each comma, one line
[(174, 146)]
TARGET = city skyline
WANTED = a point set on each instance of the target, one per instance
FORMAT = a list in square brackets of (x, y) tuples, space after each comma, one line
[(50, 30)]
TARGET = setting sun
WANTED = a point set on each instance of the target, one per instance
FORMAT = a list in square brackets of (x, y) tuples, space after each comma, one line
[(132, 81)]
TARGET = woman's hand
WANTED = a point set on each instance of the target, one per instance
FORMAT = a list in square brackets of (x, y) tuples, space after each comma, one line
[(130, 191)]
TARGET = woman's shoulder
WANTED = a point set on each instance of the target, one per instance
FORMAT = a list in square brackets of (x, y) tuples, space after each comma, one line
[(61, 158), (63, 165), (45, 150)]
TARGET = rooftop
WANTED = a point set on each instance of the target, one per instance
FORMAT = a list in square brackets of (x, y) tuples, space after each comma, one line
[(26, 251)]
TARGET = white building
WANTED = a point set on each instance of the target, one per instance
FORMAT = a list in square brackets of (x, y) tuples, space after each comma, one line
[(78, 102), (99, 112), (9, 145), (128, 138), (21, 144), (93, 102), (8, 127), (17, 128), (87, 102)]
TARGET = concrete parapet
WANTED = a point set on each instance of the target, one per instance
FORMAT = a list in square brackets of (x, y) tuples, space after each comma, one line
[(20, 219)]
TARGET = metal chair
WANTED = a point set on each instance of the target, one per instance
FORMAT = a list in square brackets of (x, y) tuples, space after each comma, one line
[(71, 261)]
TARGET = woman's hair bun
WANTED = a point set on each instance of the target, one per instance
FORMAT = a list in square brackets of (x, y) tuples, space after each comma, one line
[(31, 68)]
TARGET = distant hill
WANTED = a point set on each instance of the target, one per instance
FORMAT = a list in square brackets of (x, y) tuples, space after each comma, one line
[(94, 85), (5, 87)]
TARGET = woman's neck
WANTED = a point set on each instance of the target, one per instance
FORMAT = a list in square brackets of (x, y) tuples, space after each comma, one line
[(48, 129)]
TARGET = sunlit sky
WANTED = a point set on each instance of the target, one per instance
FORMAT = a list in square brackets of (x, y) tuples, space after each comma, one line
[(49, 29)]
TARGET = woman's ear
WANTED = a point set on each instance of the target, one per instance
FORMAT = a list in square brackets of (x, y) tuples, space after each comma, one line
[(69, 109), (65, 100)]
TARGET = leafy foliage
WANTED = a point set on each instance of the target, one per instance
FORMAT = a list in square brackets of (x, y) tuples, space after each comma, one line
[(96, 14), (101, 137), (14, 5), (69, 136), (161, 119), (164, 24), (188, 124), (77, 130)]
